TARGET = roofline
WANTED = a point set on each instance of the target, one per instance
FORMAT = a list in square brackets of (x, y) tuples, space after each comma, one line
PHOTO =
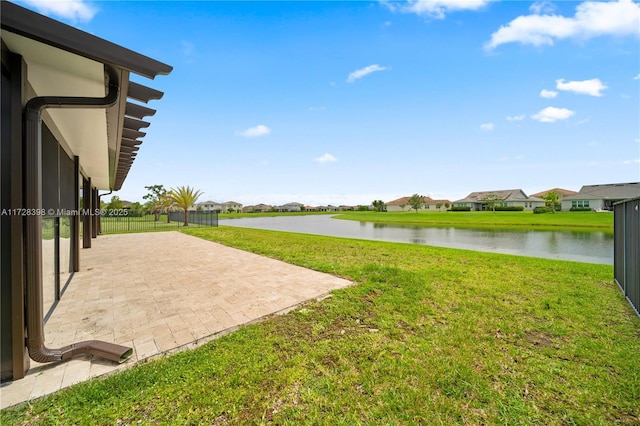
[(27, 23)]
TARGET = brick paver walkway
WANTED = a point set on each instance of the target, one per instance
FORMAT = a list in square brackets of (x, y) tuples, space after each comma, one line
[(157, 293)]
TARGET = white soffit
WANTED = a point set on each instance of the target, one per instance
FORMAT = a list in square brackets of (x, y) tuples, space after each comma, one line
[(55, 72)]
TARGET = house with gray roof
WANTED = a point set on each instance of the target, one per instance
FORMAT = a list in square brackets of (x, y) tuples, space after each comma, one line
[(601, 197), (402, 204), (478, 201), (291, 207)]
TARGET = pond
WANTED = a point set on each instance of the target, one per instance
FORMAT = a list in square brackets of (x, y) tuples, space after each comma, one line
[(591, 247)]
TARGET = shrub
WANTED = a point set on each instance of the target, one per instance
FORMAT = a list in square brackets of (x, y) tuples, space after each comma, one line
[(540, 210), (509, 208), (580, 209), (460, 209)]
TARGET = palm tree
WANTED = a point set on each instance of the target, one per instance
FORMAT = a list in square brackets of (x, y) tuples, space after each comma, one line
[(551, 199), (184, 197)]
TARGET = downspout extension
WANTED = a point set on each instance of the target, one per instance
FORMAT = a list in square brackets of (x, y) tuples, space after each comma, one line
[(33, 228)]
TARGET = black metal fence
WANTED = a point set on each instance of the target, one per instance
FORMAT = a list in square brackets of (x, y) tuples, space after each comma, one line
[(175, 220), (195, 218), (626, 249)]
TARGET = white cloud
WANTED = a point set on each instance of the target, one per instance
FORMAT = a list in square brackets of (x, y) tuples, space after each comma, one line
[(637, 77), (364, 71), (254, 132), (74, 10), (515, 117), (591, 87), (552, 114), (326, 158), (636, 161), (544, 93), (592, 19), (542, 7), (436, 9), (487, 126)]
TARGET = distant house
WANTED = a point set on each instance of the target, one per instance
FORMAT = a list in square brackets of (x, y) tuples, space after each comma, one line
[(437, 205), (601, 197), (478, 201), (258, 208), (402, 204), (560, 191), (291, 207), (561, 194), (231, 206), (399, 205), (214, 206), (209, 206), (328, 208)]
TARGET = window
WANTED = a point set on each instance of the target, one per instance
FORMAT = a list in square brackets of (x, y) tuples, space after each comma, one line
[(580, 203)]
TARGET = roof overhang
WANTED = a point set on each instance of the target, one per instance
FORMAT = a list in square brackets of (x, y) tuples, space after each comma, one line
[(64, 61)]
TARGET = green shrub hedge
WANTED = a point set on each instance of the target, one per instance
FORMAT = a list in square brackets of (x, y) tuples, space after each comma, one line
[(509, 208), (580, 209), (540, 210), (460, 209)]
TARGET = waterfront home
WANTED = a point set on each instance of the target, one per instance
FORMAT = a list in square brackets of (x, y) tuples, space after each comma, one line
[(479, 201), (601, 197)]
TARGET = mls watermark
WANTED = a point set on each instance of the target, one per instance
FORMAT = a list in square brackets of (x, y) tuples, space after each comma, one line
[(64, 212)]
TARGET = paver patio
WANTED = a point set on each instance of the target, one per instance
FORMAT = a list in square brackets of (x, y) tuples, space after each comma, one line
[(159, 292)]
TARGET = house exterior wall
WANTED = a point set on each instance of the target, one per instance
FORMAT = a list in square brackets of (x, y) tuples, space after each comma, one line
[(397, 208), (237, 207), (527, 205), (41, 168), (593, 204), (59, 255)]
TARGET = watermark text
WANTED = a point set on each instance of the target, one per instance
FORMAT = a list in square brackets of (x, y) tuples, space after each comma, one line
[(64, 212)]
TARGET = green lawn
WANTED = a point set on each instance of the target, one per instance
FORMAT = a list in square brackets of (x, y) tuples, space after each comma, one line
[(426, 336), (588, 221)]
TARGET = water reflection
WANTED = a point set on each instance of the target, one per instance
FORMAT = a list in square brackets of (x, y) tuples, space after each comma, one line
[(48, 263), (592, 247), (65, 250)]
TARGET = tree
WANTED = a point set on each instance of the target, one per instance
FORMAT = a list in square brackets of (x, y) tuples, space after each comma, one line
[(379, 205), (551, 199), (114, 204), (136, 210), (184, 197), (491, 201), (402, 205), (416, 202), (155, 200)]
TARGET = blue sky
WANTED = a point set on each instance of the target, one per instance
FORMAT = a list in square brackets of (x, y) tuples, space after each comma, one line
[(346, 102)]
